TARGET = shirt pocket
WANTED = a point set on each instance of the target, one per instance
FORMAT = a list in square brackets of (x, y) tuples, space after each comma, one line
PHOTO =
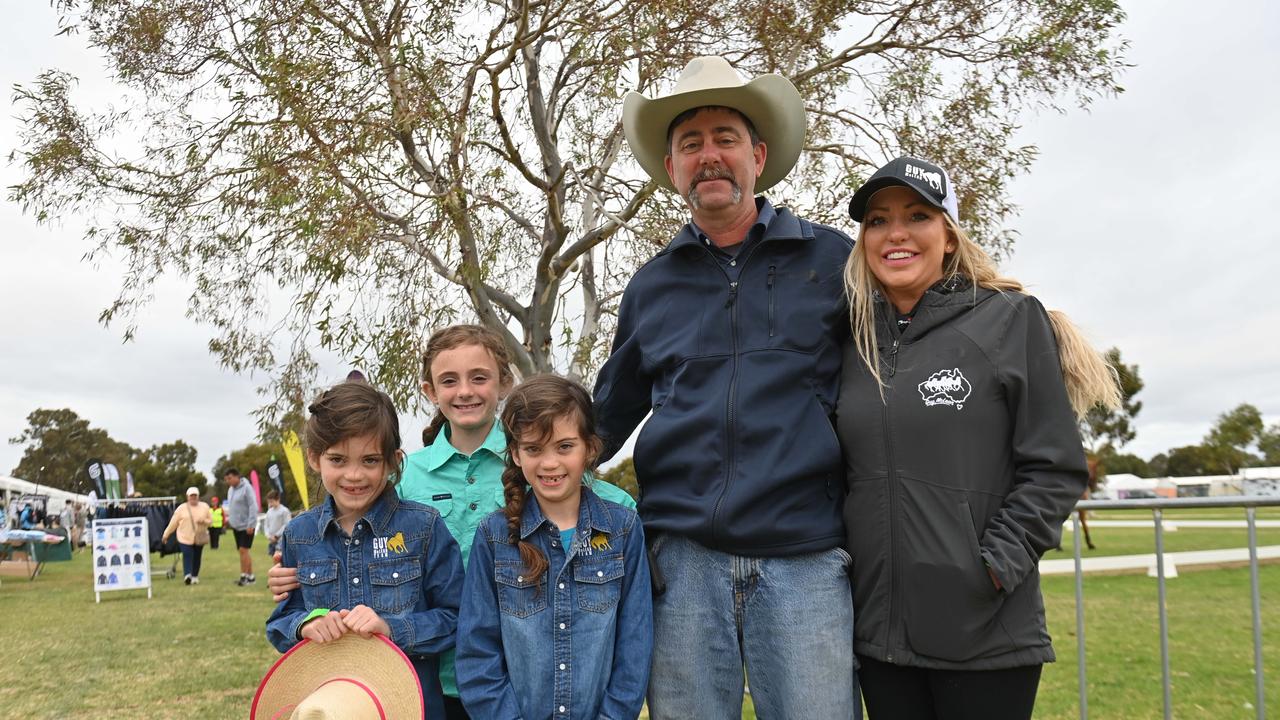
[(319, 580), (599, 581), (518, 595), (397, 584), (442, 502)]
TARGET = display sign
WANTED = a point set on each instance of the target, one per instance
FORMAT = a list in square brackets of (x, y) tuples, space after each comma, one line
[(121, 558)]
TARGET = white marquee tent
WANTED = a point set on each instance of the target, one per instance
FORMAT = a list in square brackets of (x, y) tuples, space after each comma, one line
[(11, 487)]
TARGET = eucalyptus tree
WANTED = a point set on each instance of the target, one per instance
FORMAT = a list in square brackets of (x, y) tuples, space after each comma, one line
[(345, 175)]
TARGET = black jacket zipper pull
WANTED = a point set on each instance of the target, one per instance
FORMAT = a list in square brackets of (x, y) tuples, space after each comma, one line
[(893, 358), (733, 293)]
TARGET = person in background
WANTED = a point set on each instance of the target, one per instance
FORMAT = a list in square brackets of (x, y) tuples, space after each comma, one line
[(188, 518), (242, 516), (77, 530), (277, 518), (27, 517), (958, 413), (219, 521), (67, 519)]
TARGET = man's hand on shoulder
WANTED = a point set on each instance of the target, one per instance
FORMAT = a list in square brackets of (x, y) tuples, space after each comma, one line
[(281, 580)]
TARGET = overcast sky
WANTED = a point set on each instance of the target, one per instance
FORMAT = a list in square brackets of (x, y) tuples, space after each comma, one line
[(1150, 219)]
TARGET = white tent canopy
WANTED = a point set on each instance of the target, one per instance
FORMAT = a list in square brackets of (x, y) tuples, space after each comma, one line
[(1120, 485), (13, 487)]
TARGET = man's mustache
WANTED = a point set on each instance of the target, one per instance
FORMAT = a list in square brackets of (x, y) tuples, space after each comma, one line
[(712, 173)]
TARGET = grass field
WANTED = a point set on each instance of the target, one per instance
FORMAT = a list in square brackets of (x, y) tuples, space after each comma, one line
[(198, 651), (1210, 636)]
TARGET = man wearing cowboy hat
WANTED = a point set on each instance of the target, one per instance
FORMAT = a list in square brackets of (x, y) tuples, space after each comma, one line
[(731, 338)]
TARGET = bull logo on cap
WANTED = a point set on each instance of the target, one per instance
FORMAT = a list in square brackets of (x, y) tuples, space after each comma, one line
[(933, 178)]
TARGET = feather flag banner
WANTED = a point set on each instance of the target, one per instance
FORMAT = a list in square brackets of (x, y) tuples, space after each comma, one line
[(293, 455), (97, 475), (257, 489), (276, 474), (112, 474)]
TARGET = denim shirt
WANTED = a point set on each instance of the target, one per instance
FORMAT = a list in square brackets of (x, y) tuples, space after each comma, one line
[(575, 644), (399, 560)]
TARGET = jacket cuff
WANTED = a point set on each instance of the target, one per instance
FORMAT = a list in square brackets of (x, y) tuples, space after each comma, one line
[(401, 631)]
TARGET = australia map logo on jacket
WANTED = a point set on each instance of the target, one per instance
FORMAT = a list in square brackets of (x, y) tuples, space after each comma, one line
[(946, 387)]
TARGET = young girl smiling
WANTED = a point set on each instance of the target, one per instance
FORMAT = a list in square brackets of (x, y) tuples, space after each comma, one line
[(557, 617), (368, 562)]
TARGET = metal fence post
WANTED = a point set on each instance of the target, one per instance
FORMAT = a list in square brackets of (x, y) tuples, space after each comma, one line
[(1080, 655), (1164, 617), (1156, 506), (1260, 702)]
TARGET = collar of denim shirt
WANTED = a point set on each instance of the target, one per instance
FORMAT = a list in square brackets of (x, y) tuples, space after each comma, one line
[(378, 516), (591, 514), (441, 449)]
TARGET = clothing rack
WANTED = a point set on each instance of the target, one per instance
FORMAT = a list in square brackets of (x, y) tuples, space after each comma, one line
[(158, 500)]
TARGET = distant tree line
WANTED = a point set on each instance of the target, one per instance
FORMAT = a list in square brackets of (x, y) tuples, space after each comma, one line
[(1238, 439), (59, 444)]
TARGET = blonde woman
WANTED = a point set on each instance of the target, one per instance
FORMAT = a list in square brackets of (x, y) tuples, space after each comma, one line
[(957, 415), (191, 522)]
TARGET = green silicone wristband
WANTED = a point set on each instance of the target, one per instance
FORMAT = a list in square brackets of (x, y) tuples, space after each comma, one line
[(318, 612)]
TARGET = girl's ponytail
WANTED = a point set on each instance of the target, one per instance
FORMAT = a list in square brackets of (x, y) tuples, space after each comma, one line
[(513, 490), (432, 430)]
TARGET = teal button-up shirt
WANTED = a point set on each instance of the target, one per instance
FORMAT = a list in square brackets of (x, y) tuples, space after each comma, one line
[(466, 488), (463, 488)]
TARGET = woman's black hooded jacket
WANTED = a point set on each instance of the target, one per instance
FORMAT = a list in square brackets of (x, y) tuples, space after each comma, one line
[(972, 461)]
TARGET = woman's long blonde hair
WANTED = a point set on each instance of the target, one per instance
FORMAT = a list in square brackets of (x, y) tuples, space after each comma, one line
[(1089, 378)]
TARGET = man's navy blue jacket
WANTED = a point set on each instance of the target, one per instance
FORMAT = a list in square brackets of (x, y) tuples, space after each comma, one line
[(739, 360)]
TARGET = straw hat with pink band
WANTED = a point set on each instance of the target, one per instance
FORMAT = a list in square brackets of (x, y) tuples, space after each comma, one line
[(351, 678)]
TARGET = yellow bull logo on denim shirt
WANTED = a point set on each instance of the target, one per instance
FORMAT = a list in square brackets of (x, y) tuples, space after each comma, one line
[(394, 544)]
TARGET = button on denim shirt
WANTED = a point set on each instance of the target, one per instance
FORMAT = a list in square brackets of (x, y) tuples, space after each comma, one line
[(574, 644), (399, 560)]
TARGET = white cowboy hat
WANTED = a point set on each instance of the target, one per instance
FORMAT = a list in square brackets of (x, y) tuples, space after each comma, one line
[(351, 678), (771, 102)]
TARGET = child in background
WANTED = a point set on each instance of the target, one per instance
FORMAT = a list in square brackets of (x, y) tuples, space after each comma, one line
[(557, 616), (368, 561), (277, 518), (466, 372)]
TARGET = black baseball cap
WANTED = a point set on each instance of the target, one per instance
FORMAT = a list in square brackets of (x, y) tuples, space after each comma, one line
[(931, 181)]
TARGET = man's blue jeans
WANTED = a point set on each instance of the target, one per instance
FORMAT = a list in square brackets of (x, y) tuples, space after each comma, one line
[(788, 621)]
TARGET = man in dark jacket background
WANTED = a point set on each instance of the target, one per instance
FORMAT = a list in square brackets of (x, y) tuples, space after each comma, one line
[(731, 337)]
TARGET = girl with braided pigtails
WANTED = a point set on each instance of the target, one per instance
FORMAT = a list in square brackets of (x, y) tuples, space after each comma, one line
[(557, 616)]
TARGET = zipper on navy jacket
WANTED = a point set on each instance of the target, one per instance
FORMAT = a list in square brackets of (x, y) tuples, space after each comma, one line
[(730, 435), (772, 268)]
